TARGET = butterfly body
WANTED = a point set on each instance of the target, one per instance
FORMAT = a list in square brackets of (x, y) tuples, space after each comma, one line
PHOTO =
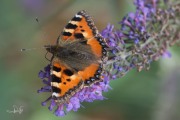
[(77, 59), (74, 54)]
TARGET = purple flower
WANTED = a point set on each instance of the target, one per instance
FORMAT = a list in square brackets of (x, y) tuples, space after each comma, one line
[(60, 111), (138, 42), (167, 54), (143, 36)]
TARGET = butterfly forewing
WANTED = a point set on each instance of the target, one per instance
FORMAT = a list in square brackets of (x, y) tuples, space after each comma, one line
[(80, 26)]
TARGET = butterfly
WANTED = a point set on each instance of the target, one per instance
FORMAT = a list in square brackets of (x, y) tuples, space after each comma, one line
[(77, 57)]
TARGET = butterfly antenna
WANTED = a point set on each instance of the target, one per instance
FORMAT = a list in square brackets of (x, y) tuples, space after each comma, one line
[(29, 49)]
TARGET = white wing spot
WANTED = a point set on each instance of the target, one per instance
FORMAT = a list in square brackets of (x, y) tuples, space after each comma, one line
[(79, 16), (74, 22), (69, 30), (55, 94), (58, 74), (55, 84)]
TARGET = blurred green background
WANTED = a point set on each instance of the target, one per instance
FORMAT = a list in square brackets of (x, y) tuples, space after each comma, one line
[(148, 95)]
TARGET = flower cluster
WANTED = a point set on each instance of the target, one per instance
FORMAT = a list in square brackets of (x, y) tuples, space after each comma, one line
[(143, 37)]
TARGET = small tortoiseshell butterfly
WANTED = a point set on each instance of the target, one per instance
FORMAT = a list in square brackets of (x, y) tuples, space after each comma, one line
[(78, 57)]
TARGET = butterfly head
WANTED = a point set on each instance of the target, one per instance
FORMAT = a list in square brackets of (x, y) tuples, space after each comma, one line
[(56, 50), (51, 48)]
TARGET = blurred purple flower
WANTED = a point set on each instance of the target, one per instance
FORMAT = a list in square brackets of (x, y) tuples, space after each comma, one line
[(167, 54), (34, 7)]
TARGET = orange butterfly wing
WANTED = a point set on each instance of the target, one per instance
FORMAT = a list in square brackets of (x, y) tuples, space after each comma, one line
[(64, 82), (79, 27)]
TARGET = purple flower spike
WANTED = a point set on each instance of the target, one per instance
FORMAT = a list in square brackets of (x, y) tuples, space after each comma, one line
[(142, 43), (143, 36)]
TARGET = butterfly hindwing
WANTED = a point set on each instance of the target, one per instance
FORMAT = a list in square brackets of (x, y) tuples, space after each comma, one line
[(65, 83)]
